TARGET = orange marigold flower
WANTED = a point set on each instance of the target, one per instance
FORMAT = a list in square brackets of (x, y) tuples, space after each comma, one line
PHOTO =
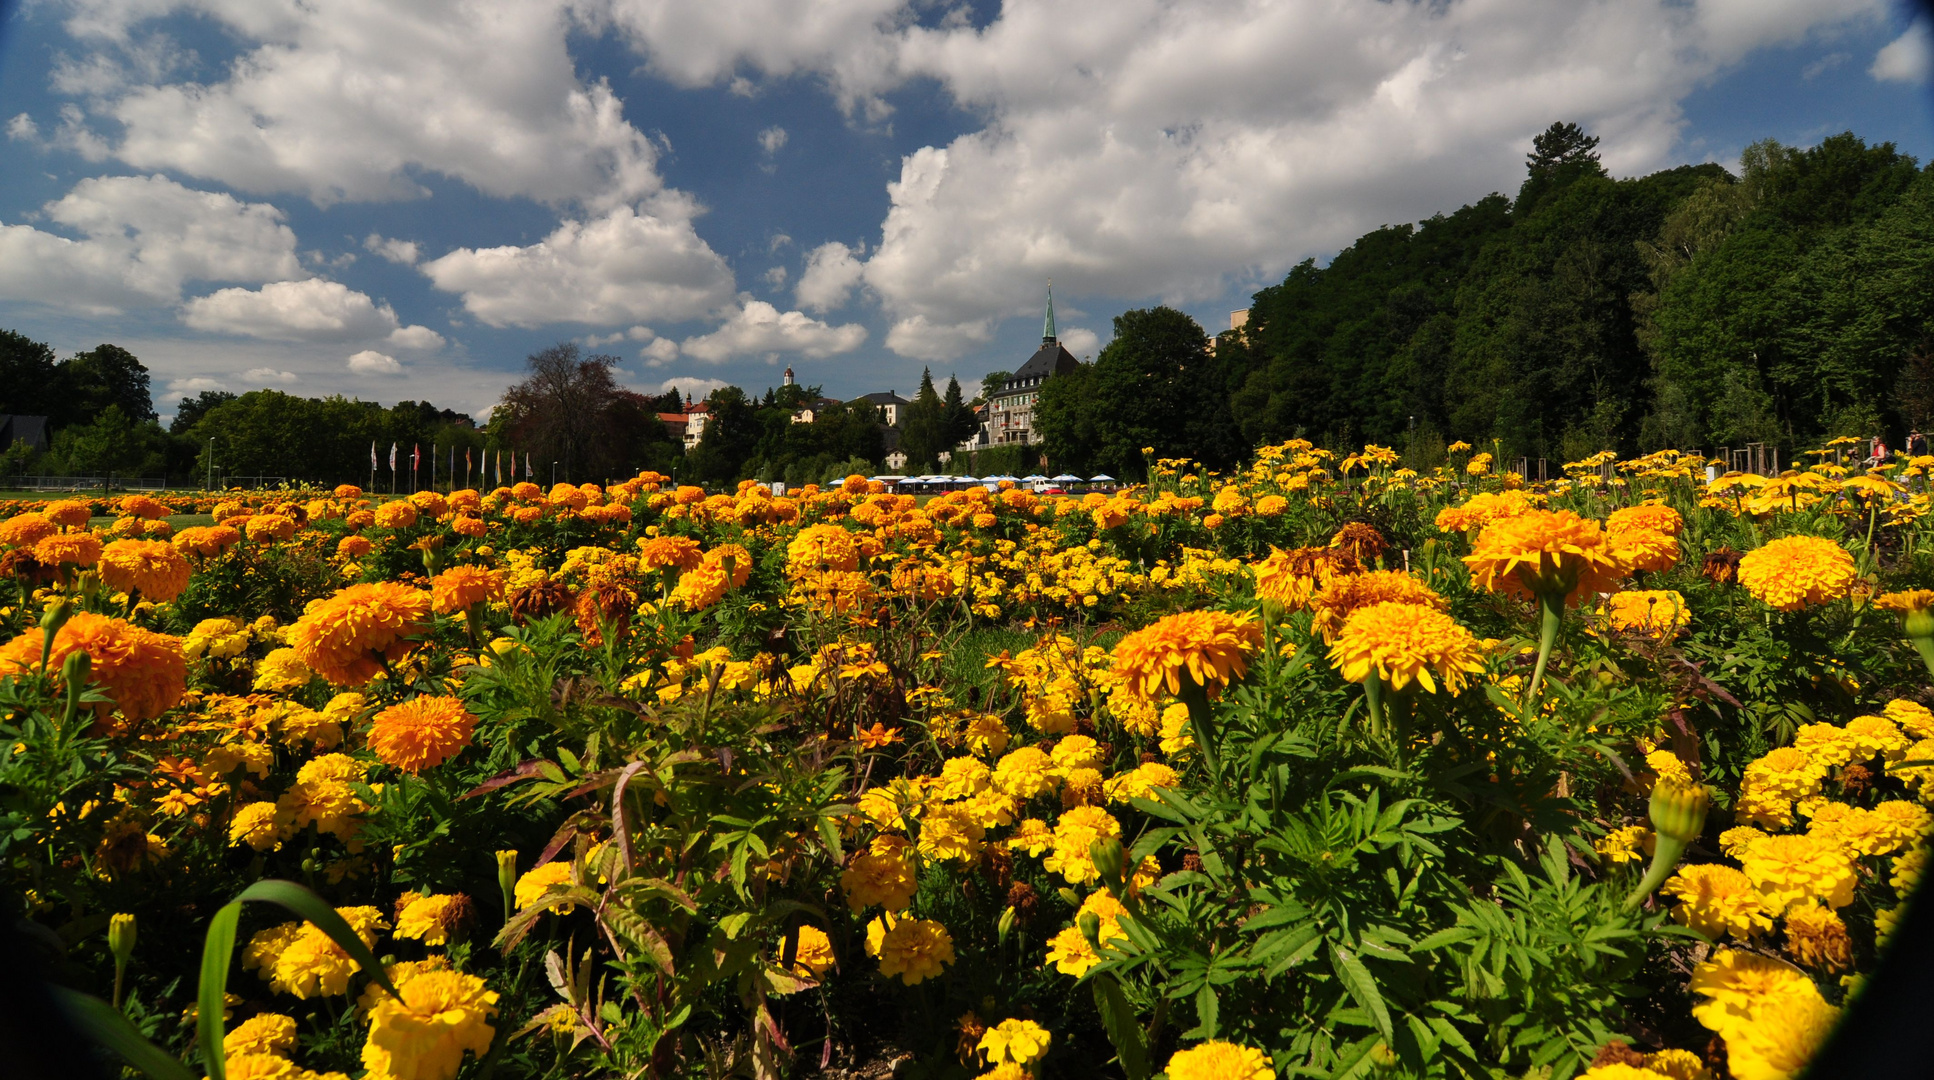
[(737, 556), (679, 552), (206, 541), (1795, 571), (345, 638), (1658, 613), (1404, 643), (1656, 517), (395, 515), (152, 568), (72, 549), (70, 513), (1542, 552), (421, 733), (1345, 596), (264, 528), (143, 672), (26, 530), (142, 506), (354, 547), (1206, 647), (459, 587)]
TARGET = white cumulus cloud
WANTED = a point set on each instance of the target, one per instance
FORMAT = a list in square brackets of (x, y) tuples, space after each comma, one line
[(269, 375), (831, 272), (141, 239), (626, 265), (371, 362), (758, 328), (350, 100), (403, 252), (1909, 58), (660, 352), (309, 310)]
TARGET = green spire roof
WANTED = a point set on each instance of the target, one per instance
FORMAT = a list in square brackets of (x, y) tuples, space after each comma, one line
[(1047, 327)]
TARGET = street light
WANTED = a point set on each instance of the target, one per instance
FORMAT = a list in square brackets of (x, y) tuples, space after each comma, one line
[(553, 474)]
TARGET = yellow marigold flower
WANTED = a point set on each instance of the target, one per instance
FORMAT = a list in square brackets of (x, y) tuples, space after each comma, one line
[(700, 587), (1794, 571), (1872, 735), (532, 886), (1656, 517), (1032, 836), (70, 513), (457, 588), (1902, 823), (282, 670), (1913, 717), (948, 834), (421, 733), (1176, 739), (1907, 871), (1734, 840), (216, 638), (962, 778), (345, 638), (1076, 752), (1405, 643), (671, 552), (1780, 1038), (1619, 1070), (1736, 984), (423, 1034), (260, 825), (882, 875), (143, 672), (1788, 870), (1345, 596), (1543, 552), (1218, 1060), (1716, 900), (1622, 845), (1073, 833), (1070, 952), (264, 1067), (812, 951), (915, 950), (1018, 1041), (1209, 648), (1678, 1065), (1025, 773), (264, 1033), (1828, 746), (1787, 772), (1291, 578), (152, 568), (432, 919), (1669, 768), (68, 549), (1657, 613), (1141, 781), (822, 548), (310, 964)]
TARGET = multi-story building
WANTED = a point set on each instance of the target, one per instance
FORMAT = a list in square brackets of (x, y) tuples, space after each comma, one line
[(1010, 411)]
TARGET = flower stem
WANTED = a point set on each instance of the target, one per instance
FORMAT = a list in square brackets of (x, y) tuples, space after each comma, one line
[(1665, 856), (1373, 697), (1925, 646), (1201, 725), (1553, 606)]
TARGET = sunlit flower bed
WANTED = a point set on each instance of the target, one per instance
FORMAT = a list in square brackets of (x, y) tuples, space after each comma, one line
[(1329, 767)]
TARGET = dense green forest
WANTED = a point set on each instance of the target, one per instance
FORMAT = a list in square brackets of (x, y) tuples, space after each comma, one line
[(1691, 308)]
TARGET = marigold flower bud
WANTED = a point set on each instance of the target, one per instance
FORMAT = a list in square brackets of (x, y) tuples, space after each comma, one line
[(1108, 859), (1678, 810), (120, 937)]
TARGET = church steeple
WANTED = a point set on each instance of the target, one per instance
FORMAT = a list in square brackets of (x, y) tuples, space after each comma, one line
[(1047, 327)]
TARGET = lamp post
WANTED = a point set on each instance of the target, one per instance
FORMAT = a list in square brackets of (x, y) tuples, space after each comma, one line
[(211, 463), (553, 474)]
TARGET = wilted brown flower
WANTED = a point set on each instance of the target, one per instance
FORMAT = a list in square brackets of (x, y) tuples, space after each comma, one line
[(1721, 566), (1362, 541), (1024, 900), (540, 600)]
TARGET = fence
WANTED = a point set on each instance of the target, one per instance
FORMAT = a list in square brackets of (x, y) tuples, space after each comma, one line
[(83, 483)]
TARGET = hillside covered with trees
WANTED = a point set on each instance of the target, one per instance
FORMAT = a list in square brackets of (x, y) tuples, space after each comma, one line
[(1691, 308)]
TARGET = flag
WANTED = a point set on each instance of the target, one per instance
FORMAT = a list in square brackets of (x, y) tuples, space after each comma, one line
[(372, 455), (416, 456), (527, 464), (392, 457)]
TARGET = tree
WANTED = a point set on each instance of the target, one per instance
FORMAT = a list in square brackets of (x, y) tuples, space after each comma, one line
[(730, 439), (26, 375), (923, 432), (1155, 385), (105, 375), (958, 418), (570, 409), (190, 411), (990, 384), (1560, 155)]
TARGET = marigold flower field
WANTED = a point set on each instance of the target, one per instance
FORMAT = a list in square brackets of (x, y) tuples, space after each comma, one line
[(1328, 767)]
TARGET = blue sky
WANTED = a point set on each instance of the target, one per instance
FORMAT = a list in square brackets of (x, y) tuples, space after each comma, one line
[(402, 201)]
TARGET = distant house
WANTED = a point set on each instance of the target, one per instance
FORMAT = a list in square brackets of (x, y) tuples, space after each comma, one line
[(31, 430), (1010, 407), (891, 404), (810, 411), (696, 417), (675, 425)]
